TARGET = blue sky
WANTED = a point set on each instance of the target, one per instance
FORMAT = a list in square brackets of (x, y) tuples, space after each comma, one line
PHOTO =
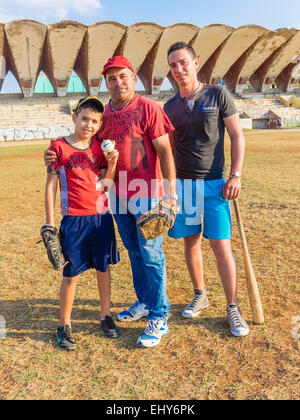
[(272, 14)]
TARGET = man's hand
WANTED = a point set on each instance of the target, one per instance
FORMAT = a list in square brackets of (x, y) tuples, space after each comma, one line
[(49, 157), (232, 188), (173, 202)]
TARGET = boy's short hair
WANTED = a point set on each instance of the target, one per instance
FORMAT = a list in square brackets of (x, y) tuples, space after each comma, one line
[(179, 46), (90, 102)]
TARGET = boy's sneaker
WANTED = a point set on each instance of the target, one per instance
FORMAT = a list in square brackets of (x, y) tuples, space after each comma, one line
[(137, 311), (238, 325), (199, 302), (109, 327), (152, 335), (65, 339)]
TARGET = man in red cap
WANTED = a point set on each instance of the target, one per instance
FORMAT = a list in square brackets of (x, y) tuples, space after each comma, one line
[(140, 129)]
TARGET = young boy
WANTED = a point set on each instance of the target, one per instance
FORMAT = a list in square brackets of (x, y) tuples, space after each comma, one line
[(87, 230)]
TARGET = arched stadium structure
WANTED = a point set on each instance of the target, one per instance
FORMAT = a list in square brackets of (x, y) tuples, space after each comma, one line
[(248, 55)]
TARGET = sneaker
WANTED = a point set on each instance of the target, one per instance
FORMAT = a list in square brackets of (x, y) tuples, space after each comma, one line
[(65, 339), (152, 335), (109, 327), (238, 325), (137, 311), (194, 308)]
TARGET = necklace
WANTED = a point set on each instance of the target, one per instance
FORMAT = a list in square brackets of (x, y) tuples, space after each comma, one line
[(192, 95), (121, 107)]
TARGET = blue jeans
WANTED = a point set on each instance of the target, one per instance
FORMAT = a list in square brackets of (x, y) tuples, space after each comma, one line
[(148, 262)]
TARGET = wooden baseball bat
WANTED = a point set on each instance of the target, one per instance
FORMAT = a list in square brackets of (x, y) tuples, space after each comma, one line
[(253, 292)]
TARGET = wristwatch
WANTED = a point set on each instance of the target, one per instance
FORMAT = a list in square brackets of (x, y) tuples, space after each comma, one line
[(175, 196), (235, 175)]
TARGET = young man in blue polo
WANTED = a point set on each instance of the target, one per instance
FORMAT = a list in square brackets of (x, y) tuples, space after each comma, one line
[(200, 113)]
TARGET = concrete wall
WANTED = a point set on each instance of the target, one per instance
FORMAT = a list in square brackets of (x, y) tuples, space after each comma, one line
[(246, 123), (249, 52), (292, 121)]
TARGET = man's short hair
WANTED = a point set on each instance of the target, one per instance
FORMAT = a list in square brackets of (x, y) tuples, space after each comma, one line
[(182, 45)]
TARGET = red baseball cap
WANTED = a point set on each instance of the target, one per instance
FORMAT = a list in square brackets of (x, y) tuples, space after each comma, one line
[(117, 61)]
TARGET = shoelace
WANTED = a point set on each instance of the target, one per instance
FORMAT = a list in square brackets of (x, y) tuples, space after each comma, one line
[(152, 326), (194, 302), (235, 317), (134, 307), (67, 332), (110, 322)]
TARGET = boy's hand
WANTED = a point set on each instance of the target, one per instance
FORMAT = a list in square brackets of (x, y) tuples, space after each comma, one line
[(49, 157), (112, 157)]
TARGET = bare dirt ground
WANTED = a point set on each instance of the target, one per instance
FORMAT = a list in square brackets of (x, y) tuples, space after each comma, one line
[(199, 359)]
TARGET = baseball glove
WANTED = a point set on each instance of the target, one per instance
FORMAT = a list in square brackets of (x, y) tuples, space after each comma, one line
[(52, 243), (154, 222)]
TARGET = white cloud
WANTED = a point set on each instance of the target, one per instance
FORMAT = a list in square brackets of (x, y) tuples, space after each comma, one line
[(49, 11)]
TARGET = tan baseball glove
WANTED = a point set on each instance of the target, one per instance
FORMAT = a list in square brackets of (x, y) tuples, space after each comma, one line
[(156, 221)]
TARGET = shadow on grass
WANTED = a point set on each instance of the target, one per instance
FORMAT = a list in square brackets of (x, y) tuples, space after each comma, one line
[(37, 319)]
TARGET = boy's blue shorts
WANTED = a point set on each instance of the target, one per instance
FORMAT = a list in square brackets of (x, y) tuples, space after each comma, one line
[(88, 242), (202, 208)]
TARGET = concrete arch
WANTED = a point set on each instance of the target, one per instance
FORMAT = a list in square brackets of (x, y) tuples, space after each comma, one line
[(139, 40), (3, 56), (244, 68), (283, 58), (249, 52), (206, 43), (289, 76), (102, 41), (155, 67), (296, 74), (25, 41), (62, 46), (235, 46)]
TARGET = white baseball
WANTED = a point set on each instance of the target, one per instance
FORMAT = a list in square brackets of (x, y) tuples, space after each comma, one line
[(107, 146)]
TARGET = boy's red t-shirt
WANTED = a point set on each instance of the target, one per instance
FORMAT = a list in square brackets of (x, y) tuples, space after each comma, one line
[(78, 171), (134, 128)]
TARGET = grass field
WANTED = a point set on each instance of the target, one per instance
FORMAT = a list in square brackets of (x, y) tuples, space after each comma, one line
[(199, 359)]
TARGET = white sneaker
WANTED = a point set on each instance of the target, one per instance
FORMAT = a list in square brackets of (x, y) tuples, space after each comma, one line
[(194, 308), (152, 335), (137, 311), (238, 325)]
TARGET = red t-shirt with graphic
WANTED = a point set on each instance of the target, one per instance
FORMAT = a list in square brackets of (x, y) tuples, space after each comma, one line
[(78, 170), (134, 128)]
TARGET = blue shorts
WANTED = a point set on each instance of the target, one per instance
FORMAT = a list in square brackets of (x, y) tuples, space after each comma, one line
[(88, 242), (202, 206)]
